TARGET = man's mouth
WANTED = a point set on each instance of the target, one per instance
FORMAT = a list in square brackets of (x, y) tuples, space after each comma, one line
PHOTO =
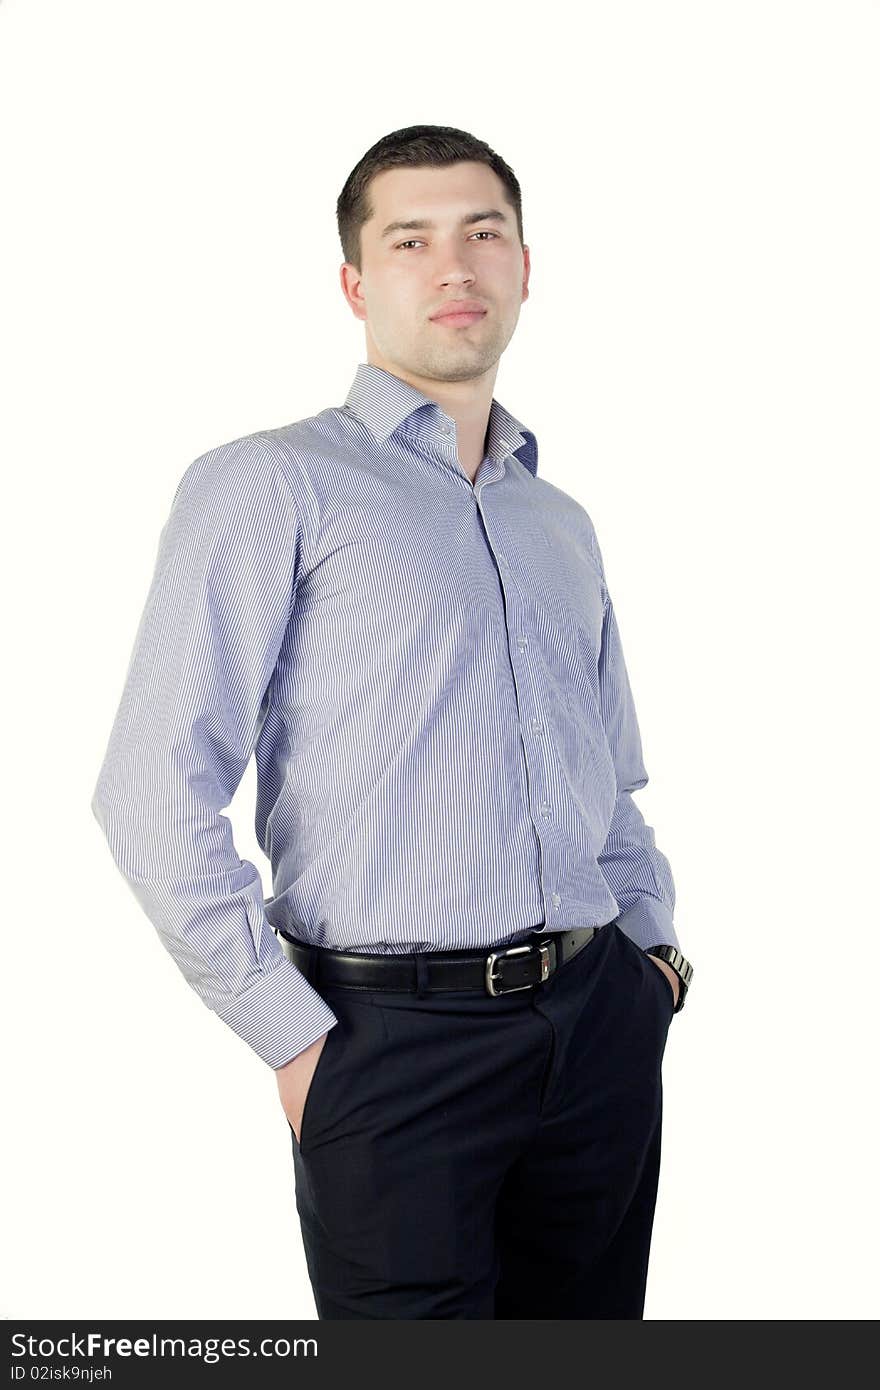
[(459, 320), (459, 312)]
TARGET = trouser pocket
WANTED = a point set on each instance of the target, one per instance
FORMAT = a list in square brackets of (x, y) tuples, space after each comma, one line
[(339, 1093), (663, 979)]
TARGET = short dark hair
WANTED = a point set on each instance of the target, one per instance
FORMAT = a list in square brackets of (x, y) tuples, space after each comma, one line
[(414, 146)]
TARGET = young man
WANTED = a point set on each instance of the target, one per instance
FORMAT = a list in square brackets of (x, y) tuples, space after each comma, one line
[(413, 632)]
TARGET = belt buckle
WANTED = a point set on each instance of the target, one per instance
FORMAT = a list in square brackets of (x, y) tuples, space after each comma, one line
[(492, 979)]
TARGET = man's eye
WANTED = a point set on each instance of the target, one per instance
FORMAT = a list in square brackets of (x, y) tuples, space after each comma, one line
[(413, 240)]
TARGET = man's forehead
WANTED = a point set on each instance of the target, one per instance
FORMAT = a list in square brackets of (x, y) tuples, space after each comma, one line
[(426, 198)]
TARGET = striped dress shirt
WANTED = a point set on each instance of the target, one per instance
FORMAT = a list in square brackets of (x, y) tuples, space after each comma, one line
[(429, 673)]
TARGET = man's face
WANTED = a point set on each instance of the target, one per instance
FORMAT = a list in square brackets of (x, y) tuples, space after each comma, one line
[(409, 273)]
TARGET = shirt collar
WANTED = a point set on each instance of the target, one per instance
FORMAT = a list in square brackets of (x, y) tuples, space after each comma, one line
[(383, 402)]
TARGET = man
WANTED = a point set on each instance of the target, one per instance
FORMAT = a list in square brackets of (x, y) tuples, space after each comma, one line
[(413, 632)]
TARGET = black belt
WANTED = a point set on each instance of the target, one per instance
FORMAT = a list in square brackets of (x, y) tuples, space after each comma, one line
[(501, 971)]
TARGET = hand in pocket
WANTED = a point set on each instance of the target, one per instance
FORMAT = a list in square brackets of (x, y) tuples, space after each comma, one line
[(671, 977), (294, 1080)]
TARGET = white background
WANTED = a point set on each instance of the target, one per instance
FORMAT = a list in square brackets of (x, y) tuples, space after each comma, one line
[(699, 360)]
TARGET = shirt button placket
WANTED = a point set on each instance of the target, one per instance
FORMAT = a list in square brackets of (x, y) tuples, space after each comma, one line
[(536, 726)]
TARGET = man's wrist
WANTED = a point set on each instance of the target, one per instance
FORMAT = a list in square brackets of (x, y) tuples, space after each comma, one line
[(320, 1039), (676, 963)]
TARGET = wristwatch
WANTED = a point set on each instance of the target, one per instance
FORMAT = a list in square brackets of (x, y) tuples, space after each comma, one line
[(682, 967)]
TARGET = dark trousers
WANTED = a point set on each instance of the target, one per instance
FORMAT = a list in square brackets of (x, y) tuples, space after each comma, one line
[(465, 1156)]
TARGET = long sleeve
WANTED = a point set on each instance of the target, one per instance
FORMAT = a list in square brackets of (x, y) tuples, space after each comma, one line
[(637, 872), (194, 699)]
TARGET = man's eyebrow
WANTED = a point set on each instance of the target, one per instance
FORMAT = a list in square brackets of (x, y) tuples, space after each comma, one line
[(418, 224)]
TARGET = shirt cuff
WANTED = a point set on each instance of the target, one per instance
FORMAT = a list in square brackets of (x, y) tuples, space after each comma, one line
[(280, 1015), (648, 923)]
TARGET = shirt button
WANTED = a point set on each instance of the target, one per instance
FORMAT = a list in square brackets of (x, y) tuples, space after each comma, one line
[(556, 900), (536, 726), (522, 643), (546, 810)]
